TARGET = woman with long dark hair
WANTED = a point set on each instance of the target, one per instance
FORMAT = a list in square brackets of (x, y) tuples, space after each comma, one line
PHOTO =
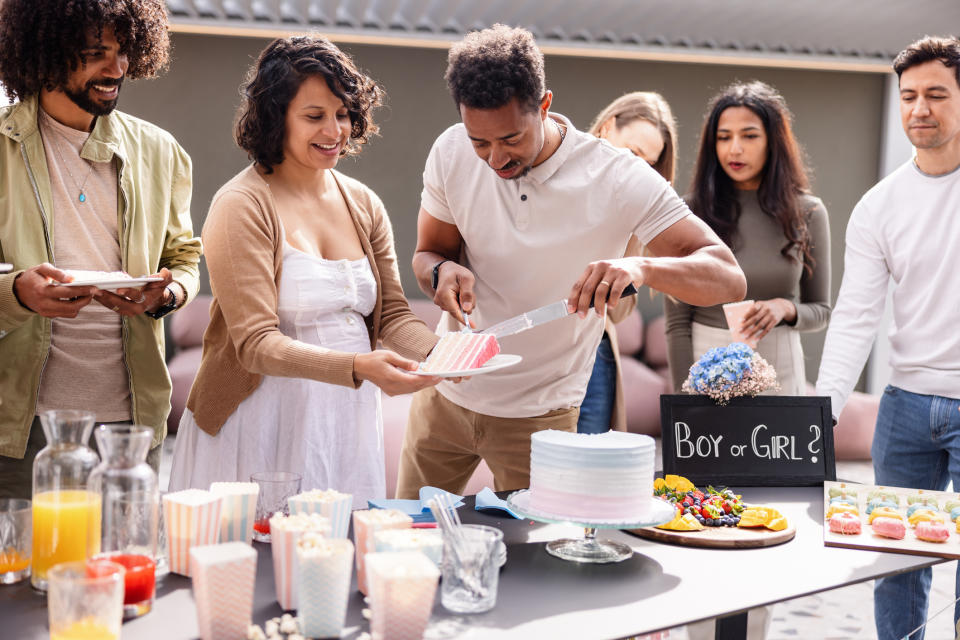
[(751, 186)]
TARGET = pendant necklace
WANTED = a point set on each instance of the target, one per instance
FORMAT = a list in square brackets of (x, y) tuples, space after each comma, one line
[(82, 197)]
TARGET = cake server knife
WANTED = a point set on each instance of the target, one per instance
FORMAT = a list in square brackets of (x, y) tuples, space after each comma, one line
[(536, 317)]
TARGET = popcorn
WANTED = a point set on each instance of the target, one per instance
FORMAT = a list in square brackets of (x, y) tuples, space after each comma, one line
[(728, 372)]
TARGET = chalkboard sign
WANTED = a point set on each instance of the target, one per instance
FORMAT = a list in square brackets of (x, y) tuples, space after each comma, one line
[(762, 441)]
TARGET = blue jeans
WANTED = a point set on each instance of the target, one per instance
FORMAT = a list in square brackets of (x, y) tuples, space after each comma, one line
[(916, 444), (597, 408)]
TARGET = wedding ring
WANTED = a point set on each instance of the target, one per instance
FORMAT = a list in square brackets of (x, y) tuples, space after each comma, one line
[(115, 309), (142, 297), (604, 282)]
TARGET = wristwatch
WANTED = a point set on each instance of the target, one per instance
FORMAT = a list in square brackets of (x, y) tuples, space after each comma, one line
[(164, 309), (436, 273)]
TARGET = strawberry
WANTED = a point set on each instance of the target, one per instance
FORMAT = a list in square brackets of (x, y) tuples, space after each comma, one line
[(727, 507)]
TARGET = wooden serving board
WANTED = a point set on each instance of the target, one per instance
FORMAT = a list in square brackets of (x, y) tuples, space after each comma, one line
[(719, 537)]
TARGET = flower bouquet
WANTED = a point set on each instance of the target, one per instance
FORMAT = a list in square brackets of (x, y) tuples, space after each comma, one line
[(731, 371)]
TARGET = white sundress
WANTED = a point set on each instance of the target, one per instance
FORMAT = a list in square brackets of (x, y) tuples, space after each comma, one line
[(330, 434)]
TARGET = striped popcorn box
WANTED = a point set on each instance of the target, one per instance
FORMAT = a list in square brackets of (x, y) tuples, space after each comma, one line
[(284, 533), (427, 541), (192, 518), (365, 524), (238, 508), (324, 568), (330, 504), (223, 581), (402, 588)]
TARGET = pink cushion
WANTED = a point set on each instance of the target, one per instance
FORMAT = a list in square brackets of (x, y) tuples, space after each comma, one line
[(643, 387), (630, 334), (396, 410), (655, 342), (183, 369), (188, 324)]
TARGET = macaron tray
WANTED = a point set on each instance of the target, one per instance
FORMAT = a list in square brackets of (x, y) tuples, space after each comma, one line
[(894, 519)]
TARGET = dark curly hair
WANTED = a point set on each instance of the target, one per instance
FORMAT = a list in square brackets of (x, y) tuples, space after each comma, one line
[(783, 180), (275, 79), (946, 50), (489, 68), (41, 40)]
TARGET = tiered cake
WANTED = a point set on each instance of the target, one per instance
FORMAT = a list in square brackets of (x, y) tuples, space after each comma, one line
[(606, 476), (461, 351)]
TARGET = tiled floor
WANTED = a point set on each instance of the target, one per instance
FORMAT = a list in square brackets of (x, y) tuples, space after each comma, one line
[(841, 614)]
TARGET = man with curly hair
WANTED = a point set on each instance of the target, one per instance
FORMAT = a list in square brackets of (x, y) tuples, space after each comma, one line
[(90, 189), (517, 204)]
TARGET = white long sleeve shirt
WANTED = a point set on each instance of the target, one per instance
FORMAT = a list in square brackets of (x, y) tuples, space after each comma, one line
[(907, 227)]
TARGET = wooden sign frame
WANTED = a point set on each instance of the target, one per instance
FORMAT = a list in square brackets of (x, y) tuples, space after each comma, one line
[(724, 430)]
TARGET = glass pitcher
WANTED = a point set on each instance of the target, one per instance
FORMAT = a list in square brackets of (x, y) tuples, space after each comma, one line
[(66, 515), (129, 493)]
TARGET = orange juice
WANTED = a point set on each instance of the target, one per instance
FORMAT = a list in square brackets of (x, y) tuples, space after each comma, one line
[(12, 560), (66, 527), (86, 629)]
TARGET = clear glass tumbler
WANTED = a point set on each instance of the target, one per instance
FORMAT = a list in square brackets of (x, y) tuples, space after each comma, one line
[(275, 488), (471, 569), (66, 515), (15, 539), (85, 600), (129, 493)]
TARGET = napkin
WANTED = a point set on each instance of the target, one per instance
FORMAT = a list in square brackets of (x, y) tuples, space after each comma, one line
[(417, 509), (487, 500)]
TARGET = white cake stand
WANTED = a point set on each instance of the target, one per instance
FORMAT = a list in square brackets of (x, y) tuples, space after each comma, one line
[(588, 548)]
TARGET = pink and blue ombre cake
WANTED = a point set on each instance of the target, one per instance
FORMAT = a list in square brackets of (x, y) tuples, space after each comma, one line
[(605, 476)]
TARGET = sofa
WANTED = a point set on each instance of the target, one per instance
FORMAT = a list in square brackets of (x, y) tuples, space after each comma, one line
[(643, 351)]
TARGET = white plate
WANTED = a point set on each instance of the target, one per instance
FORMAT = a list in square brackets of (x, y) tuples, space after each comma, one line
[(111, 283), (498, 361)]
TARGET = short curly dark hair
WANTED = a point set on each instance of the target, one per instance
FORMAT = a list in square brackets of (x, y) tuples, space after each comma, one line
[(489, 68), (41, 40), (275, 79)]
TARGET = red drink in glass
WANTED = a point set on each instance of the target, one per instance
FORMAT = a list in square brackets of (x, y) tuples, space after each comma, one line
[(139, 582)]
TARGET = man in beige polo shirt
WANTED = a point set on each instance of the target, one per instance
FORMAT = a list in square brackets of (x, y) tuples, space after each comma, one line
[(85, 187), (520, 209)]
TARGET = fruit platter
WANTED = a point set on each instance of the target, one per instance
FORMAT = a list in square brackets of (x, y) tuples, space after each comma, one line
[(896, 519), (715, 517)]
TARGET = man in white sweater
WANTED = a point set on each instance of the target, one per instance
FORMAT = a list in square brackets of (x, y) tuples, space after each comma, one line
[(907, 227)]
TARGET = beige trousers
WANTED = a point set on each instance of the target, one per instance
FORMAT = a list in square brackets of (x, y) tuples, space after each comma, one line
[(781, 348), (444, 443)]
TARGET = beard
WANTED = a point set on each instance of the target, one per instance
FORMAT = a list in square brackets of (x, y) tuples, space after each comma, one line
[(85, 99)]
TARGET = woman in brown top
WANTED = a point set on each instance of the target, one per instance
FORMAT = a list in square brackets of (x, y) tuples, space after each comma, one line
[(305, 282), (751, 187), (643, 123)]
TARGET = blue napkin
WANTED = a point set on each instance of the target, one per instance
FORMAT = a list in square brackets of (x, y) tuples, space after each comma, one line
[(417, 509), (487, 500)]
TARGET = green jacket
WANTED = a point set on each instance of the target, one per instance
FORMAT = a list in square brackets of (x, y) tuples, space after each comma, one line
[(153, 221)]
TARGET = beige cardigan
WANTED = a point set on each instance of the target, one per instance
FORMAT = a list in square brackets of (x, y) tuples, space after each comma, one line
[(243, 246)]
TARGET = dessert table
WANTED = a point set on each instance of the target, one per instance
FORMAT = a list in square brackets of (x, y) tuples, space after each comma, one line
[(541, 596)]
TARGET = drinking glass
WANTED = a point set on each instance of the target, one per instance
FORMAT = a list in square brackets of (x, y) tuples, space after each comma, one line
[(85, 600), (275, 488), (471, 569), (15, 539)]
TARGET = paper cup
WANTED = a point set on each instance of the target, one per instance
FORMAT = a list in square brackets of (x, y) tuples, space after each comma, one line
[(365, 524), (735, 311), (192, 518), (330, 504), (238, 507), (324, 568), (402, 588), (285, 531), (427, 541), (223, 582)]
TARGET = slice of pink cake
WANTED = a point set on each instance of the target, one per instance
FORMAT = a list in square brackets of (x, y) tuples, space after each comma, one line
[(460, 352)]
